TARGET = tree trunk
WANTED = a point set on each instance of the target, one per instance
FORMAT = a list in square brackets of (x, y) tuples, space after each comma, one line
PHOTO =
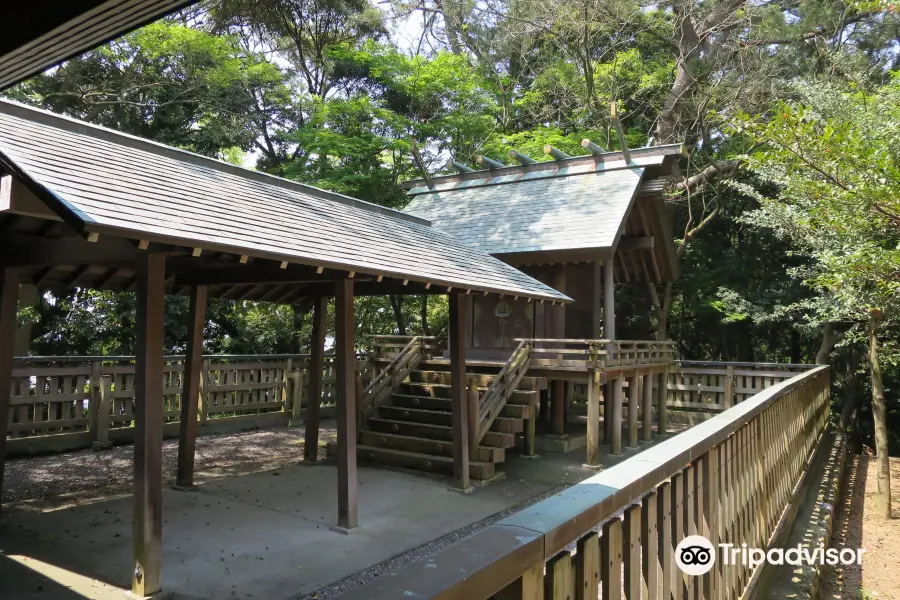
[(423, 315), (829, 340), (397, 306), (851, 392), (883, 497)]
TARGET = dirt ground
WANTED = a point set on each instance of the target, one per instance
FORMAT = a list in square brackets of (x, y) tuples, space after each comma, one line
[(46, 482), (878, 578)]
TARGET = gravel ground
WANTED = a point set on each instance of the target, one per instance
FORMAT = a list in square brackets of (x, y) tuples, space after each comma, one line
[(47, 481)]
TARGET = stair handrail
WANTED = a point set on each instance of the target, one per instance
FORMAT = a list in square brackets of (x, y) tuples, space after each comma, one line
[(500, 389), (383, 384)]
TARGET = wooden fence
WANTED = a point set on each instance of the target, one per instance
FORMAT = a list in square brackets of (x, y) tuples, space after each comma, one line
[(56, 401), (709, 386), (732, 480)]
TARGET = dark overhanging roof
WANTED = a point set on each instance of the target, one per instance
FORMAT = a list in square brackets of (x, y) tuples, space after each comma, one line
[(35, 36), (103, 183)]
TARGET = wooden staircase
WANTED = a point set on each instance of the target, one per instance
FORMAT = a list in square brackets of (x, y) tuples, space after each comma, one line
[(412, 427)]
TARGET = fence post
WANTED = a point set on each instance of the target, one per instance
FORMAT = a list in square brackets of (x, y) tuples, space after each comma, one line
[(93, 398), (662, 399), (472, 401), (296, 398), (729, 387), (203, 401), (103, 388), (285, 390)]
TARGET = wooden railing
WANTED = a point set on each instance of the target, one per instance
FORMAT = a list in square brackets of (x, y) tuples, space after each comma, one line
[(388, 379), (569, 354), (731, 480), (717, 386), (60, 397), (387, 347), (502, 386)]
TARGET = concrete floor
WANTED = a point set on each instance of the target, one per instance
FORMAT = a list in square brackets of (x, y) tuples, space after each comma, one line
[(264, 534), (260, 535)]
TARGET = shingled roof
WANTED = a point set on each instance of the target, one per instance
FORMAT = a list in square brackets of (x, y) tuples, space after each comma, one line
[(104, 182), (573, 204)]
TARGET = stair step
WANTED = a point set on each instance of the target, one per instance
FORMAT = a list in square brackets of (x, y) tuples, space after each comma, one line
[(437, 432), (426, 446), (443, 417), (483, 379), (514, 411), (413, 460), (526, 397)]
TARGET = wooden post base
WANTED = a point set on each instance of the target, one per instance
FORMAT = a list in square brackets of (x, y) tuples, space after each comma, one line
[(160, 595)]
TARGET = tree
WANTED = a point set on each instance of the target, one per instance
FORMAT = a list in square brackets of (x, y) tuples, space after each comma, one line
[(833, 158), (166, 82)]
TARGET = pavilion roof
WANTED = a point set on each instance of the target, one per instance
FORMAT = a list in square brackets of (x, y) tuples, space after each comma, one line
[(577, 203), (104, 182)]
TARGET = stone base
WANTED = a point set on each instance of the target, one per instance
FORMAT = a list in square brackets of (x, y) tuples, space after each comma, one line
[(101, 446), (498, 476), (341, 530), (530, 456), (460, 490), (588, 467), (546, 443), (183, 488), (160, 595)]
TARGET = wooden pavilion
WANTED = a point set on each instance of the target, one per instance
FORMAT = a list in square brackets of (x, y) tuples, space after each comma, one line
[(578, 223), (89, 207)]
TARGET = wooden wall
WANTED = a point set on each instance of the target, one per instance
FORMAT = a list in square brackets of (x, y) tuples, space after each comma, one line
[(496, 322)]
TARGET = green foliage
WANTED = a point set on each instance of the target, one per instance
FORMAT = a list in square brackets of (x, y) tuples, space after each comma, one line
[(167, 82)]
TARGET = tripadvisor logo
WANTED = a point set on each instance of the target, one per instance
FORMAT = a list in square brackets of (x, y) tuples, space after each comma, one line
[(696, 555)]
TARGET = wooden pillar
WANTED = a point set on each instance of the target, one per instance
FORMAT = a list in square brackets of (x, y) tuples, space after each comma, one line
[(345, 372), (559, 407), (647, 408), (593, 420), (609, 301), (609, 333), (558, 313), (607, 411), (458, 401), (191, 386), (615, 444), (146, 574), (596, 299), (662, 398), (314, 391), (633, 402), (9, 301)]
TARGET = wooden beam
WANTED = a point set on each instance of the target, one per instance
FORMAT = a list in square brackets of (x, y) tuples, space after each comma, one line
[(24, 250), (559, 407), (148, 422), (210, 273), (276, 289), (459, 404), (345, 369), (9, 301), (636, 242), (76, 275), (41, 275), (314, 389), (104, 279), (192, 386)]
